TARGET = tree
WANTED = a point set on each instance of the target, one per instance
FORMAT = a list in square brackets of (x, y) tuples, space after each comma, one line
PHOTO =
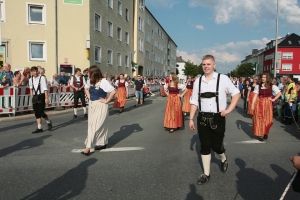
[(191, 69), (245, 70)]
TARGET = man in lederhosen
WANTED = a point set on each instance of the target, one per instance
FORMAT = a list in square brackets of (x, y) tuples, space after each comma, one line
[(77, 83), (39, 94), (210, 97)]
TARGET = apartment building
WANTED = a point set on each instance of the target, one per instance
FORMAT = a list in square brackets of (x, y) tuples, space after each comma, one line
[(66, 34)]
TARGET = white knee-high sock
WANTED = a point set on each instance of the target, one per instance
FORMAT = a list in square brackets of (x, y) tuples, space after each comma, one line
[(206, 163), (75, 111), (84, 110), (222, 156)]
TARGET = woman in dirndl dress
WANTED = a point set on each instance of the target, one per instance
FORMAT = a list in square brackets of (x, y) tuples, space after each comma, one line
[(263, 112), (187, 96), (173, 114), (96, 90), (251, 94), (122, 93)]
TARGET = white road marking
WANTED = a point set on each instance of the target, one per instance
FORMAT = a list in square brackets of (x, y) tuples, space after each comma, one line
[(112, 149), (250, 142)]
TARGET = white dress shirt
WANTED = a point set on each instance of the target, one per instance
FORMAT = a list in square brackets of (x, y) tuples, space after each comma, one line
[(103, 84), (180, 87), (209, 104), (43, 85)]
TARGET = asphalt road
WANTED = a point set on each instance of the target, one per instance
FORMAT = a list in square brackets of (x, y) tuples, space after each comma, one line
[(143, 160)]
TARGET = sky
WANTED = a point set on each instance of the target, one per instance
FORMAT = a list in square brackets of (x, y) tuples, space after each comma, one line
[(226, 29)]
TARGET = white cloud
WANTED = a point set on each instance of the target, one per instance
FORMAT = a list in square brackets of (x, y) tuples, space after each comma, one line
[(200, 27), (228, 55), (164, 3), (251, 11)]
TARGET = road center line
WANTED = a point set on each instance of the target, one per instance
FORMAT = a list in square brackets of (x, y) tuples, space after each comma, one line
[(250, 142), (112, 149)]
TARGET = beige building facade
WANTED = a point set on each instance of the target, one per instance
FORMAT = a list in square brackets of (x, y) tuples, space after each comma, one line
[(112, 34)]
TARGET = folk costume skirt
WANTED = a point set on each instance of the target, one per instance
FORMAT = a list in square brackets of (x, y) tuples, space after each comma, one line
[(262, 117), (186, 101), (249, 110), (173, 114), (162, 91), (120, 99), (97, 124)]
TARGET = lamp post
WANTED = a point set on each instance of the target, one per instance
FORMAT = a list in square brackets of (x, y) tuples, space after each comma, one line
[(276, 39)]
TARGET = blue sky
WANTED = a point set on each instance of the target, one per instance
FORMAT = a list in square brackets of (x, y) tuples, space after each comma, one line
[(227, 29)]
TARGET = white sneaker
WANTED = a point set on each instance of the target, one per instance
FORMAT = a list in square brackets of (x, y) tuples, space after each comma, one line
[(152, 95)]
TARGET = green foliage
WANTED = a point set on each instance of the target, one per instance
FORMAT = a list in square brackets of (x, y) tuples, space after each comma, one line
[(191, 69), (243, 70)]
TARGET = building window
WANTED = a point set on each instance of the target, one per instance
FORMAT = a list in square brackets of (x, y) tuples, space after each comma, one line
[(119, 34), (287, 67), (141, 44), (141, 3), (37, 51), (290, 42), (97, 22), (126, 61), (97, 54), (119, 8), (127, 14), (2, 10), (127, 37), (109, 57), (287, 55), (110, 3), (119, 59), (110, 29), (147, 54), (141, 24), (36, 14)]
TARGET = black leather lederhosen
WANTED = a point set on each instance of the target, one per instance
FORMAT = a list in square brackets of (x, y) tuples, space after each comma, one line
[(211, 126)]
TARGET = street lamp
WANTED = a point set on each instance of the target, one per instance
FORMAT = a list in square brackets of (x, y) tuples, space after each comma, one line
[(276, 39)]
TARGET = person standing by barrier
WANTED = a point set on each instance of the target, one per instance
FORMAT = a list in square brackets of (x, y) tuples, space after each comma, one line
[(96, 90), (85, 75), (173, 114), (122, 93), (138, 88), (210, 97), (63, 79), (263, 112), (290, 100), (77, 83), (187, 96), (7, 73), (18, 79), (251, 94), (39, 95)]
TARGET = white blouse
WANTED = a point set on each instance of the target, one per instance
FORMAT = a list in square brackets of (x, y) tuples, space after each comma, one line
[(275, 89), (180, 87), (103, 84), (126, 83)]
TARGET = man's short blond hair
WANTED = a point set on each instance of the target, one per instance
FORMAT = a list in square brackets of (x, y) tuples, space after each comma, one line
[(206, 57)]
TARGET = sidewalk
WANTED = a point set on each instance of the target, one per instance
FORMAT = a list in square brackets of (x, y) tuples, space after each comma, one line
[(50, 112)]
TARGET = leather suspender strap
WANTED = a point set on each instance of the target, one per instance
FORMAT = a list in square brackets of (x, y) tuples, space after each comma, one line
[(217, 92), (199, 94), (38, 88)]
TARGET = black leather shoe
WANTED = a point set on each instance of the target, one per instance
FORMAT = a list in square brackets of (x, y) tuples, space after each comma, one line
[(203, 179), (38, 131), (85, 115), (100, 147), (261, 139), (50, 126), (266, 137), (75, 116), (224, 166), (86, 154)]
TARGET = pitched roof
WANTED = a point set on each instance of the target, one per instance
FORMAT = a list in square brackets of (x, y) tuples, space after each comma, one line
[(179, 59), (292, 40)]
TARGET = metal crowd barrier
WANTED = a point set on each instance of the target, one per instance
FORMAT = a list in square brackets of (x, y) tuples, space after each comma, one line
[(17, 99)]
